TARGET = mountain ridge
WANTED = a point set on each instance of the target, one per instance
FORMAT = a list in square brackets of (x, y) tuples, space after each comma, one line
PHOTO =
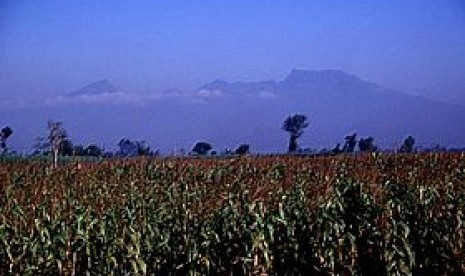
[(99, 87), (229, 113)]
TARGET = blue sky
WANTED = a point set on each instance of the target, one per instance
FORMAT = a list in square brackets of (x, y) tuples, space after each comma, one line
[(53, 47)]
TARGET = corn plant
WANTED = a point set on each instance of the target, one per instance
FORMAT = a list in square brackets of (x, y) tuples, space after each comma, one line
[(374, 214)]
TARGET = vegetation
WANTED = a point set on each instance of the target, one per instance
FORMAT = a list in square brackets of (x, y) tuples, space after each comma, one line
[(58, 144), (128, 148), (369, 214), (57, 138), (201, 148), (350, 143), (367, 145), (295, 126), (242, 149), (407, 145), (5, 133)]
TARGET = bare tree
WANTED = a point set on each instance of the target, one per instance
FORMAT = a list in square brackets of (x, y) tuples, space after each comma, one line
[(57, 136)]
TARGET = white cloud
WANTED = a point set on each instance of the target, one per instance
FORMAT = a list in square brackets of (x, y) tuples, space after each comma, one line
[(104, 99), (118, 98), (7, 103)]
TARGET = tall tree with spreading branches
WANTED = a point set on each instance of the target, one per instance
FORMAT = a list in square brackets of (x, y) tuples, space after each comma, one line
[(295, 126)]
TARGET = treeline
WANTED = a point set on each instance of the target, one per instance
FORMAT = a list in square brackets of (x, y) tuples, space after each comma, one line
[(58, 143)]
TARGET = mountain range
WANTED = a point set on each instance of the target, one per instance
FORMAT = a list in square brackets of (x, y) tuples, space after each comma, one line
[(229, 113), (95, 88)]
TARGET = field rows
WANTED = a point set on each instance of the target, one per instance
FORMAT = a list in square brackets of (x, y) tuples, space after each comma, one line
[(374, 214)]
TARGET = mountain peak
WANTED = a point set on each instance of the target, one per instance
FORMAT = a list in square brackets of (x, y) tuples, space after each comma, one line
[(217, 84), (300, 76), (96, 88)]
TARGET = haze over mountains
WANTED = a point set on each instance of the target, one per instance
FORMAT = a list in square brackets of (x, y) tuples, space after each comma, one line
[(95, 88), (229, 113)]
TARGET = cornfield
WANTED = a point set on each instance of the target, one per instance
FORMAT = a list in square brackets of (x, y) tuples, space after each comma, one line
[(374, 214)]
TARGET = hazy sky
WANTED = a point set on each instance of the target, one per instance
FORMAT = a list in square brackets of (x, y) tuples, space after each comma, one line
[(50, 47)]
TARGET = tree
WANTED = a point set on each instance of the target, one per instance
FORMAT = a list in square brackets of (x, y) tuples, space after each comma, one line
[(127, 148), (242, 149), (295, 125), (41, 146), (367, 144), (143, 148), (5, 133), (201, 148), (407, 145), (79, 150), (93, 150), (57, 135), (66, 148), (350, 143), (133, 148), (337, 149)]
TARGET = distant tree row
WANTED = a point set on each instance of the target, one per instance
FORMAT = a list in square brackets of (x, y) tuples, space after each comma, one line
[(296, 124), (204, 148), (57, 143)]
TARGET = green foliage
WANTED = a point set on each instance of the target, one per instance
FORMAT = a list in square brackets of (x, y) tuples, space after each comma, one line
[(242, 149), (367, 145), (201, 148), (5, 133), (350, 143), (295, 126), (369, 215), (407, 145)]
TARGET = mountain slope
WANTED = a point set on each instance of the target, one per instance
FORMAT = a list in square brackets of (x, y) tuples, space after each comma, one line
[(96, 88), (338, 103), (229, 113)]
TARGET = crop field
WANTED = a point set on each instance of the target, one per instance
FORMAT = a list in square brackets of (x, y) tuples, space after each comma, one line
[(373, 214)]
